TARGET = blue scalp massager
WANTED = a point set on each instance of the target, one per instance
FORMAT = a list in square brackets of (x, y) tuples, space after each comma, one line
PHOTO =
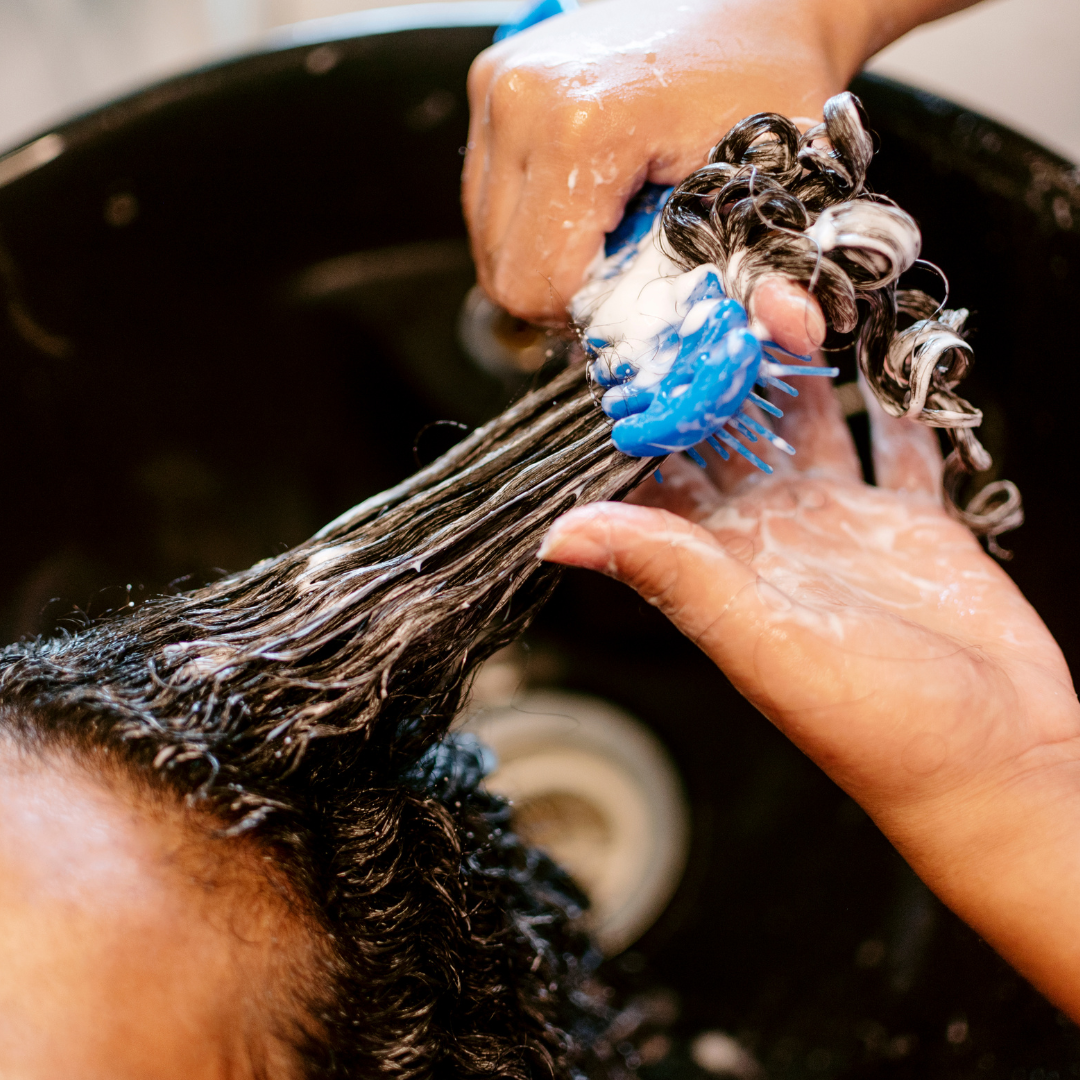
[(676, 357)]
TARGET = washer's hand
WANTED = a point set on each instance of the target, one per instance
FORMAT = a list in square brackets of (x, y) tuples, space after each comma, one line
[(871, 628), (570, 117)]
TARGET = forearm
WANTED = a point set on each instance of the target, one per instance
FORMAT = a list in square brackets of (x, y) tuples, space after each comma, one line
[(854, 30), (1004, 854), (894, 18)]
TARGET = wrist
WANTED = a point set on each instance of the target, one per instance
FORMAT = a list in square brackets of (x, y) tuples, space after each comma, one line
[(850, 34), (1003, 852), (854, 30)]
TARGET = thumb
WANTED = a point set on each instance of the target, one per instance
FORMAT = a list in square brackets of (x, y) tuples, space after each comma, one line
[(780, 655), (673, 564)]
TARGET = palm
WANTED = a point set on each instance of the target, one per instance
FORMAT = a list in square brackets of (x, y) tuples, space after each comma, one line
[(864, 621), (892, 602), (873, 630)]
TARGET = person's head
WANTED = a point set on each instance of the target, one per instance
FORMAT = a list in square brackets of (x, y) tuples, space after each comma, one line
[(235, 839), (390, 925)]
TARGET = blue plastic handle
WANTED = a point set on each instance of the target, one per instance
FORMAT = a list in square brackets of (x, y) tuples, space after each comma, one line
[(545, 9)]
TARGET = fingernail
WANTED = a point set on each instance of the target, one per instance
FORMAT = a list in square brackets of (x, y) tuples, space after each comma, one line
[(563, 544), (794, 319), (548, 549)]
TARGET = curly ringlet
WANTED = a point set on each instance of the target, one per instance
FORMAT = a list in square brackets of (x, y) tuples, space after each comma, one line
[(772, 200)]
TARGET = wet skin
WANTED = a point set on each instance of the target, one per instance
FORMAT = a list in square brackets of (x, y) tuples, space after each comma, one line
[(571, 117), (873, 630)]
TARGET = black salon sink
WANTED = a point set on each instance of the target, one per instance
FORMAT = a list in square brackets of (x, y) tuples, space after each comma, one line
[(231, 307)]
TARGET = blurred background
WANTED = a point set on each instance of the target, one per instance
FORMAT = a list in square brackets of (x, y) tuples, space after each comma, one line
[(1017, 61)]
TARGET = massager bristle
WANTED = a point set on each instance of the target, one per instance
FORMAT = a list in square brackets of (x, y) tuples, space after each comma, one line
[(738, 447), (765, 405), (771, 436), (777, 384), (718, 447), (787, 352), (773, 370)]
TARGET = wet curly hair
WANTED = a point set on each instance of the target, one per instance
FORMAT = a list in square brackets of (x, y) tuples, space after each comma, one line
[(304, 705), (772, 200)]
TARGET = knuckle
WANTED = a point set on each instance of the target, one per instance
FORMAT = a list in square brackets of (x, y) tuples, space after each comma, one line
[(524, 89), (519, 295), (575, 119), (512, 91), (662, 592), (655, 574), (504, 284)]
